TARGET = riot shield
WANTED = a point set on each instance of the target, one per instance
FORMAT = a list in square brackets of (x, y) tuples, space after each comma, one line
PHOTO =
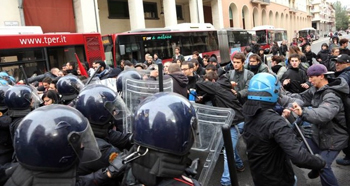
[(209, 140), (110, 83), (134, 91)]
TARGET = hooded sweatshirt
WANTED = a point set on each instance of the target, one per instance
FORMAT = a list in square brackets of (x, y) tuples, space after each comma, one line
[(180, 82)]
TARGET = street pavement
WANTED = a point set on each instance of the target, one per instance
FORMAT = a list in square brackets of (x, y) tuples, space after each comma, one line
[(342, 173)]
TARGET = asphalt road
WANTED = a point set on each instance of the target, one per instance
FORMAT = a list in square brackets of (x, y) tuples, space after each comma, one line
[(341, 172)]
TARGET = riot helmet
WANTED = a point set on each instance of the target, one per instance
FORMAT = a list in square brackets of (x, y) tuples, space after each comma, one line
[(54, 138), (165, 122), (100, 104), (69, 87), (264, 87), (3, 89), (19, 97), (126, 74)]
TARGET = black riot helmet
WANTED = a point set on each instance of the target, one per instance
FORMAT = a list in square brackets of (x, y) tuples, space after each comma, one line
[(69, 87), (18, 97), (165, 122), (53, 138), (3, 89), (126, 74), (100, 104)]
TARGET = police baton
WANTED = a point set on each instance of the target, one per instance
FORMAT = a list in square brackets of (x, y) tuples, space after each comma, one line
[(303, 137), (226, 132), (93, 75), (160, 76), (24, 74)]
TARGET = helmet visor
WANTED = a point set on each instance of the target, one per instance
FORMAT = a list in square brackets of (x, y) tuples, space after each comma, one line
[(117, 108), (36, 100), (85, 145)]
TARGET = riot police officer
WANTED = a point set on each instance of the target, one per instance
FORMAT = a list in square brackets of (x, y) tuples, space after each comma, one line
[(6, 148), (20, 100), (271, 143), (163, 128), (102, 106), (49, 149), (69, 87)]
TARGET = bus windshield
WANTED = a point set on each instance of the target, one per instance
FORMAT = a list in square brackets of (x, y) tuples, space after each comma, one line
[(303, 33)]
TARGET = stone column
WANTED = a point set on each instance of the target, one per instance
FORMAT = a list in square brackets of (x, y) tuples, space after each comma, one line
[(136, 14)]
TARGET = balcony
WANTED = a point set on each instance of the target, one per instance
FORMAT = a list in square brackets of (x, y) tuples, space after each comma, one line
[(293, 10), (262, 2)]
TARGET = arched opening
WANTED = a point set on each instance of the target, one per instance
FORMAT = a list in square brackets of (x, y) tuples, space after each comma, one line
[(263, 17), (255, 17), (271, 17), (234, 18), (282, 20), (277, 20), (245, 17)]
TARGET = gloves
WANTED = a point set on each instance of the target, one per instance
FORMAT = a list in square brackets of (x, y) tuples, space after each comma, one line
[(117, 167), (307, 130)]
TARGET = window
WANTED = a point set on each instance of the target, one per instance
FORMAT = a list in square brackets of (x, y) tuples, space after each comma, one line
[(179, 12), (150, 10), (118, 9)]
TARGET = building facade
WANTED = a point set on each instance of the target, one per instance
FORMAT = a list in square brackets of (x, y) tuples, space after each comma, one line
[(113, 16), (323, 16)]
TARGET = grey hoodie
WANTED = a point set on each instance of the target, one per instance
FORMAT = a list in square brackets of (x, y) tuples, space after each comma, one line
[(326, 113)]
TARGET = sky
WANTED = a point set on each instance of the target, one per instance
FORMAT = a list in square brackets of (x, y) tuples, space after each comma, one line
[(343, 2)]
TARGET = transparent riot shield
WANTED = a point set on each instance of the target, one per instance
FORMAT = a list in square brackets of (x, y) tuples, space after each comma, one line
[(110, 83), (134, 91), (209, 140)]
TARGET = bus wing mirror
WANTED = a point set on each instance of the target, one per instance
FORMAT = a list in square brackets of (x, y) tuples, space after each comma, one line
[(122, 49)]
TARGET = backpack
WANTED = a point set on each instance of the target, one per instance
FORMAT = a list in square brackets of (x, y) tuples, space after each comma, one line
[(233, 72), (346, 103)]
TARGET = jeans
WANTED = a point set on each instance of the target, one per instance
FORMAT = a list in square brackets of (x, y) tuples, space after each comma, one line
[(327, 176), (225, 179)]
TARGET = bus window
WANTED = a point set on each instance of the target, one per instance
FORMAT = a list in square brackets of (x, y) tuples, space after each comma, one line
[(261, 36), (59, 56), (278, 36), (11, 59)]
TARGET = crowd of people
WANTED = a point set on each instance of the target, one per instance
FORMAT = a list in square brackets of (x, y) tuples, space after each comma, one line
[(60, 126)]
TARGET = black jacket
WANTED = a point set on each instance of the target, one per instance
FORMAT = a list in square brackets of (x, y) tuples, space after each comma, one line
[(222, 96), (271, 145), (21, 176), (283, 50), (192, 80), (309, 55), (180, 82), (297, 76), (323, 55), (6, 148), (344, 51)]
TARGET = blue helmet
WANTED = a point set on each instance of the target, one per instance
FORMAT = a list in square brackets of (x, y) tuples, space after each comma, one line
[(100, 104), (69, 87), (3, 82), (165, 122), (52, 138), (6, 77), (18, 97), (126, 74), (264, 87)]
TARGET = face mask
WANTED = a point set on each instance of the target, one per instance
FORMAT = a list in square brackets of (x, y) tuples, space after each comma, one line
[(254, 67)]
